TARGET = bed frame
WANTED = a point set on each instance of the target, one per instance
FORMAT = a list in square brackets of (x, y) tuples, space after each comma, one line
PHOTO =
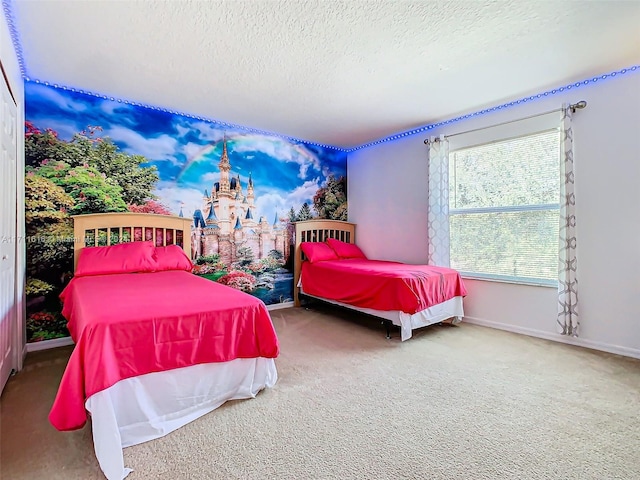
[(317, 230), (87, 230)]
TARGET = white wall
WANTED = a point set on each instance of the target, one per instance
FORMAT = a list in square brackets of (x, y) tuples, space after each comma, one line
[(388, 198), (11, 68)]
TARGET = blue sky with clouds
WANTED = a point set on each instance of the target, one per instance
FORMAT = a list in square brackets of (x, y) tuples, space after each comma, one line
[(186, 151)]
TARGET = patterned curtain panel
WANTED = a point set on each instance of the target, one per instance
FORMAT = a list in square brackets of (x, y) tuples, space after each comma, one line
[(438, 213), (567, 280)]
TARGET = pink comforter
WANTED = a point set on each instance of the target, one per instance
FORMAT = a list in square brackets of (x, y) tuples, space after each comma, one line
[(127, 325), (381, 285)]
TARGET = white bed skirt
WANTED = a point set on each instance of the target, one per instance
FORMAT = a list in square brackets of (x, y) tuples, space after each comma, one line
[(150, 406), (451, 308)]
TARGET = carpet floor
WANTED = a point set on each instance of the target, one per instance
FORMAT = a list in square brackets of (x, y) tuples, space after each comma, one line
[(454, 402)]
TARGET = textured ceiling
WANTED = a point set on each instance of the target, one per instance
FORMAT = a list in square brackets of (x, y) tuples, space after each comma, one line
[(335, 72)]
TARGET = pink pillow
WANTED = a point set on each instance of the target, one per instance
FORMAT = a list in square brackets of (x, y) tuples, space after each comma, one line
[(172, 257), (345, 250), (127, 257), (318, 251)]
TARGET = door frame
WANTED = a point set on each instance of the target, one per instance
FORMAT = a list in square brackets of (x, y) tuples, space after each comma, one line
[(18, 343)]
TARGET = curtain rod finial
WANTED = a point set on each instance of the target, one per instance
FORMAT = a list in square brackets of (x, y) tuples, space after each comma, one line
[(580, 105)]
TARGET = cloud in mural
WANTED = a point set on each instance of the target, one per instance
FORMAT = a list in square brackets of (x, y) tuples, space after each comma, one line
[(280, 150), (278, 201), (57, 98), (114, 108), (173, 198), (162, 147)]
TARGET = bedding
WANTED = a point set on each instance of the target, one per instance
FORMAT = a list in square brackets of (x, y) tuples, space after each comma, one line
[(345, 250), (318, 251), (128, 257), (172, 257), (129, 325), (381, 285)]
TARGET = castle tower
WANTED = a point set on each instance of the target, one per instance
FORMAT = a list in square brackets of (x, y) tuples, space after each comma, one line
[(211, 218), (250, 195), (225, 168), (267, 241)]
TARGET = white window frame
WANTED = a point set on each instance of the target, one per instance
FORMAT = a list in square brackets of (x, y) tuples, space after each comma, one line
[(501, 133)]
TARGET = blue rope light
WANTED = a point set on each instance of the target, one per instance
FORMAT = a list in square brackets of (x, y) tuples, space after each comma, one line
[(499, 107), (6, 6), (15, 38)]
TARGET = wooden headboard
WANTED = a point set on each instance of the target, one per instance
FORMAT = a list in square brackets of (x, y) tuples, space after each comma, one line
[(317, 230), (110, 228)]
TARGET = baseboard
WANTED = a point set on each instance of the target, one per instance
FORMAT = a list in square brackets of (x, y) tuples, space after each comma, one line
[(556, 337), (46, 344), (278, 306)]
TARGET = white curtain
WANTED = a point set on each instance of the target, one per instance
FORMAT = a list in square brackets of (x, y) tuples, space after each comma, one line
[(567, 280), (438, 213)]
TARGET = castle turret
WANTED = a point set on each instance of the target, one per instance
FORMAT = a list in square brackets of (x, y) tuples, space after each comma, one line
[(198, 219), (211, 218), (225, 168), (250, 195)]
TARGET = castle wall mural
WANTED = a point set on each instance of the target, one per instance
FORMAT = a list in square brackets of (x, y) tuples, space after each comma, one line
[(88, 154)]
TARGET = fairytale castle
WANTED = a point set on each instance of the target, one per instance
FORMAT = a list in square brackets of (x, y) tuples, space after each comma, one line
[(226, 223)]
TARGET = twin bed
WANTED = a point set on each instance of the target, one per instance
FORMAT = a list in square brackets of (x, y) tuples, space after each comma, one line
[(157, 347), (408, 296)]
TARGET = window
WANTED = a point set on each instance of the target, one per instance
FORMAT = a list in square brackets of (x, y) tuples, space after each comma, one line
[(504, 210)]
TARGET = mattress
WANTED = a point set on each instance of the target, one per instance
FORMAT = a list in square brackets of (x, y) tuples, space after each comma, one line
[(381, 285)]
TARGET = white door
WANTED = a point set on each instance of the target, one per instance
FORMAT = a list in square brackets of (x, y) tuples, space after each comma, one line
[(8, 205)]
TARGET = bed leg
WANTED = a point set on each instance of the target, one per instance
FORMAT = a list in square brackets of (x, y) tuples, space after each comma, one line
[(387, 325)]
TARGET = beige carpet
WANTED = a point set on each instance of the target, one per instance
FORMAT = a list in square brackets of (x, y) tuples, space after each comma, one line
[(461, 402)]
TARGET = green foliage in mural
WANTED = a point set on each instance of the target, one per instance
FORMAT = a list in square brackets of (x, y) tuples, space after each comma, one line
[(136, 181), (330, 201), (48, 228), (292, 215), (35, 287), (45, 201), (84, 175), (276, 255), (245, 256), (98, 155), (304, 213), (91, 190)]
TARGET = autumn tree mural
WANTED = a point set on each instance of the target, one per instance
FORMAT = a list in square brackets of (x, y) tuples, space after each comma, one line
[(331, 200)]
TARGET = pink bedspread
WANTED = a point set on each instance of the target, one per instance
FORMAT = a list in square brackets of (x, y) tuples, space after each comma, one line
[(381, 285), (127, 325)]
